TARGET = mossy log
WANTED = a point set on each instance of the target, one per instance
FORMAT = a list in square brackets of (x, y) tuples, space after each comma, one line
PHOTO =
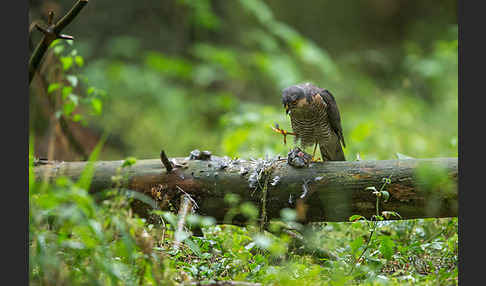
[(324, 191)]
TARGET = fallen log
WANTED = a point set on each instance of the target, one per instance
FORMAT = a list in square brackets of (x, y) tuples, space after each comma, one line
[(329, 191)]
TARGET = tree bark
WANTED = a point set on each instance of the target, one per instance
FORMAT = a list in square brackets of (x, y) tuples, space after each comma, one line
[(329, 191)]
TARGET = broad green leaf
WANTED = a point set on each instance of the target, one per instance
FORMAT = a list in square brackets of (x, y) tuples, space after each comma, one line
[(130, 161), (66, 91), (55, 43), (356, 217), (385, 195), (386, 246), (77, 117), (356, 244), (79, 60), (84, 181), (388, 214), (67, 62), (193, 246), (68, 108), (97, 105), (53, 86)]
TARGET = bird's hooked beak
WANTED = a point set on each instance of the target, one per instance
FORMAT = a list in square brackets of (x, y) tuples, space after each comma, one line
[(287, 109)]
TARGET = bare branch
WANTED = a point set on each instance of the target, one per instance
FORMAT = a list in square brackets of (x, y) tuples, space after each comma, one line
[(51, 33), (337, 190), (50, 20), (69, 17)]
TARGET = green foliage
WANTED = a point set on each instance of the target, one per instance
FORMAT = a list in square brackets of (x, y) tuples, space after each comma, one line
[(69, 87), (87, 175), (223, 95), (73, 240), (202, 14)]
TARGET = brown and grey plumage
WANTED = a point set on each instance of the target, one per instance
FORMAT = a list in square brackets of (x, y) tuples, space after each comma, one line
[(315, 119)]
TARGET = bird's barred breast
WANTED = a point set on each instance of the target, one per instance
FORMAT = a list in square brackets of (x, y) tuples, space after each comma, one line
[(311, 124)]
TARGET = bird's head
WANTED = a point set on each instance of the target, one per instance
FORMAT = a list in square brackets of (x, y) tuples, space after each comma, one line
[(293, 97)]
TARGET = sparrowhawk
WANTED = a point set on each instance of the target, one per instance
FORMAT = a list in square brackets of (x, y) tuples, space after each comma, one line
[(315, 119)]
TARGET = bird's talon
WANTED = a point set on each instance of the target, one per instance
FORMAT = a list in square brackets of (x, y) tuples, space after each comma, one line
[(283, 132)]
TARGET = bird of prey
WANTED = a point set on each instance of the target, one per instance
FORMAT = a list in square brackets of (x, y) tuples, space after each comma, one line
[(315, 120)]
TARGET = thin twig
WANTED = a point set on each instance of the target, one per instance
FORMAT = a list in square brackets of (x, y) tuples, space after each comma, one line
[(69, 17), (51, 33), (189, 196)]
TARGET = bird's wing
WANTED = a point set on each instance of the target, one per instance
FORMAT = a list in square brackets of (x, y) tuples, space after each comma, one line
[(333, 113)]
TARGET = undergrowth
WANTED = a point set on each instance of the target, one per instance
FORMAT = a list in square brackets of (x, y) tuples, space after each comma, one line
[(75, 239)]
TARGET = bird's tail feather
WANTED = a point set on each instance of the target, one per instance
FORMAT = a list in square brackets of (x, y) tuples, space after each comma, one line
[(332, 155)]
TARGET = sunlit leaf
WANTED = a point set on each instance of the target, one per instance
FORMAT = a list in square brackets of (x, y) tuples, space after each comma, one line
[(79, 61), (129, 161), (53, 87), (356, 217), (66, 91), (386, 246), (67, 62), (87, 174), (68, 108), (97, 105), (356, 244)]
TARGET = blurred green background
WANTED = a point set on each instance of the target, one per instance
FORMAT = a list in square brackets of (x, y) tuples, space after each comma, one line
[(180, 75)]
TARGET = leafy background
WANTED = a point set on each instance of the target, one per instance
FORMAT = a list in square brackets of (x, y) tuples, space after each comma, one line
[(180, 75)]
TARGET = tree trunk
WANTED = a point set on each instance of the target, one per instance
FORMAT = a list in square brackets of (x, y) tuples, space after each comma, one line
[(329, 191)]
